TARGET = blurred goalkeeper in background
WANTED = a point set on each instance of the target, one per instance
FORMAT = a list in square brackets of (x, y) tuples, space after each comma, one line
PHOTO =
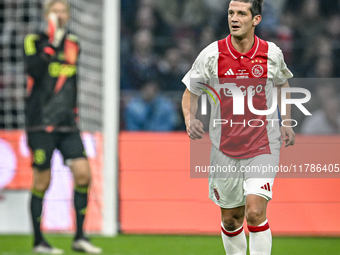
[(51, 112)]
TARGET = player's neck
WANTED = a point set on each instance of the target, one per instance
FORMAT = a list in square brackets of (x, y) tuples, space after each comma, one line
[(243, 45)]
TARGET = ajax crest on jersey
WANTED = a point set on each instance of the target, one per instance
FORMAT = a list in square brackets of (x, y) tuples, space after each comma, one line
[(257, 71)]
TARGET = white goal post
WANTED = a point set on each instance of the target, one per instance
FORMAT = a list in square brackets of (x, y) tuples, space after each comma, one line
[(111, 45)]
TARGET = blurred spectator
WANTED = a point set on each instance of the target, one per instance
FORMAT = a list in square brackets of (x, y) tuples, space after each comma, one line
[(128, 11), (308, 23), (2, 17), (333, 27), (307, 31), (146, 3), (270, 22), (145, 18), (160, 39), (330, 7), (148, 18), (325, 121), (171, 70), (141, 65), (150, 111), (285, 40), (187, 49), (325, 89), (321, 90), (207, 36), (216, 8), (318, 58), (179, 13), (293, 6), (278, 5), (333, 31), (323, 68)]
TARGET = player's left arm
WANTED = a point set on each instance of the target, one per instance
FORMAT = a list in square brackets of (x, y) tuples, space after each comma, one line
[(287, 132)]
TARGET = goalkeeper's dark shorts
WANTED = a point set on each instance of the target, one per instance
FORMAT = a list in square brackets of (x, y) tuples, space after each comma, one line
[(43, 144)]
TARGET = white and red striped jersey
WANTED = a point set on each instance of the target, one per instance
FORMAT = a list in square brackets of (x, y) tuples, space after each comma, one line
[(261, 67)]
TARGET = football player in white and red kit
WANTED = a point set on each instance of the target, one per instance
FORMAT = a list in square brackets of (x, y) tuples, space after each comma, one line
[(241, 141)]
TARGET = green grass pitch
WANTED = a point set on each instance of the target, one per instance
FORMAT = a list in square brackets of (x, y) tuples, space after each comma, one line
[(172, 245)]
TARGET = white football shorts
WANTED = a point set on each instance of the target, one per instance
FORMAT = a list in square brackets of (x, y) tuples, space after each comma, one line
[(231, 180)]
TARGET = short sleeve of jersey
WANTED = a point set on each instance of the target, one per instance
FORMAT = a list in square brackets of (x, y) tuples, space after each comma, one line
[(277, 68), (203, 69), (30, 44)]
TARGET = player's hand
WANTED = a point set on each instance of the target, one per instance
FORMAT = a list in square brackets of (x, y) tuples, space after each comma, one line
[(195, 129), (288, 135), (55, 32)]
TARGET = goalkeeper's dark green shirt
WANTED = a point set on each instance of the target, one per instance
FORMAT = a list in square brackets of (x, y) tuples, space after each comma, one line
[(51, 89)]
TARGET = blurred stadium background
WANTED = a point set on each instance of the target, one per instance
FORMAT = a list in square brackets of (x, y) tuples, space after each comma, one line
[(154, 194)]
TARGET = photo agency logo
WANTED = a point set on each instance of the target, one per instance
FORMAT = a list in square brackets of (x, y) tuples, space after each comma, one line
[(242, 93)]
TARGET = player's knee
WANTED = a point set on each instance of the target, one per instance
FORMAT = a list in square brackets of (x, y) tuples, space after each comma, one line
[(230, 223), (41, 184), (83, 178), (81, 171), (254, 215)]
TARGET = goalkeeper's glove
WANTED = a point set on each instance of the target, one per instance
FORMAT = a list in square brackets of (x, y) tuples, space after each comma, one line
[(55, 32)]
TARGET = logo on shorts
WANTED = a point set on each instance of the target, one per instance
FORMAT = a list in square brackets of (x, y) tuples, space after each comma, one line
[(216, 194), (257, 71), (39, 156), (266, 187)]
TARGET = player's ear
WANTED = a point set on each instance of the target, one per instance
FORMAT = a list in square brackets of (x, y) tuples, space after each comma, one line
[(256, 20)]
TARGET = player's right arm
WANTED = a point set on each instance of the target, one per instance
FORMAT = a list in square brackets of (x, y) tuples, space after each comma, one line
[(38, 50), (194, 126), (37, 55), (204, 67)]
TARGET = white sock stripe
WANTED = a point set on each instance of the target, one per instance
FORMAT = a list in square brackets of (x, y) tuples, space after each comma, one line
[(235, 244), (264, 223), (260, 243)]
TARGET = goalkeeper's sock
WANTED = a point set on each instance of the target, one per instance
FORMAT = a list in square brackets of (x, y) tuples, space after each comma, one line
[(260, 239), (36, 210), (80, 205)]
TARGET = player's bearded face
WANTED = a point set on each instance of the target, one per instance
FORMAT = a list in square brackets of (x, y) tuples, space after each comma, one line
[(240, 19), (60, 9)]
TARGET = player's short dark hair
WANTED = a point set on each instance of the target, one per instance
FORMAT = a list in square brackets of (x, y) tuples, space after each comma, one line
[(256, 6)]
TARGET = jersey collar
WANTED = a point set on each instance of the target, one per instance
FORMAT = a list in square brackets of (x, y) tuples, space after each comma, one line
[(235, 54)]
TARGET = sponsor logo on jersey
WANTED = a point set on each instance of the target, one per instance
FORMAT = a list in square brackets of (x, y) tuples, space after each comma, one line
[(242, 74), (57, 69), (255, 90)]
